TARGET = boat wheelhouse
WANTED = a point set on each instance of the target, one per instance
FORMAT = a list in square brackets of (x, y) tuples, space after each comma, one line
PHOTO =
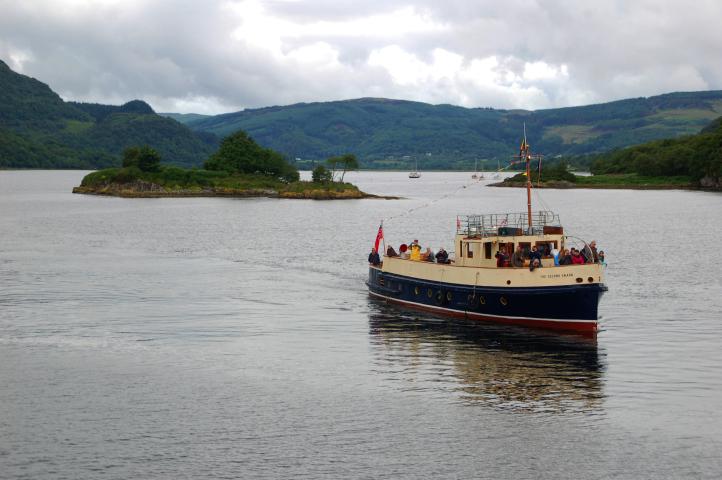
[(476, 284)]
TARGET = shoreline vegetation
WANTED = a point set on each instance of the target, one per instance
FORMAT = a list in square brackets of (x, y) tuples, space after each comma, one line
[(558, 176), (629, 181), (240, 168)]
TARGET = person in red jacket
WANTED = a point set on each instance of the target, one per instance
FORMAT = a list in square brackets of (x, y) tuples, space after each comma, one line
[(577, 258), (502, 259)]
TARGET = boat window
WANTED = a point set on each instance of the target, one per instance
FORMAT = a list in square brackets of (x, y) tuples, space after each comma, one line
[(487, 250), (469, 251), (461, 248), (546, 247), (526, 247)]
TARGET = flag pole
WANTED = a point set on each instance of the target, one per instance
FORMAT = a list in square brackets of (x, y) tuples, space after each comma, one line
[(383, 238)]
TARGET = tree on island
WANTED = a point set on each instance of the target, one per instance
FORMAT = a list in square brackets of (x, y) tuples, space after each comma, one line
[(145, 158), (321, 174), (239, 153), (346, 162)]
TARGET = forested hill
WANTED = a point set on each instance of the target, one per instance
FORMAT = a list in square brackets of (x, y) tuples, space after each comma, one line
[(39, 130), (382, 132), (698, 157)]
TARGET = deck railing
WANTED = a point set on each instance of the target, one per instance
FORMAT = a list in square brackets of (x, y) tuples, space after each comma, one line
[(506, 224)]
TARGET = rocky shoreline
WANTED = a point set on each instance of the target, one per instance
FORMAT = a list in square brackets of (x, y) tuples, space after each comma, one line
[(143, 189)]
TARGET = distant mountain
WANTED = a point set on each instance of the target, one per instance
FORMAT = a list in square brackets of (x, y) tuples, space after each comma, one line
[(39, 130), (383, 132), (184, 118)]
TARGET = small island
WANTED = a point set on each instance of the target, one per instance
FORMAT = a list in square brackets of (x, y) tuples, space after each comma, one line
[(551, 178), (240, 168)]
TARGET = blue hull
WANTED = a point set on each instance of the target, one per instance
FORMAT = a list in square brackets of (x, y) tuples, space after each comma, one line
[(569, 307)]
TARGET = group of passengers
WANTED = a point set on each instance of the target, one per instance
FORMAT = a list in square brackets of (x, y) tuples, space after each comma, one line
[(589, 254), (412, 251), (564, 257)]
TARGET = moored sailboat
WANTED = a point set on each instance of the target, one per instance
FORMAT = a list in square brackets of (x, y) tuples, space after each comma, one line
[(415, 173)]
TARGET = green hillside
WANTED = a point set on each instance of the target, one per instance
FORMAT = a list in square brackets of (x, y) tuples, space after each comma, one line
[(184, 118), (39, 130), (698, 157), (390, 133)]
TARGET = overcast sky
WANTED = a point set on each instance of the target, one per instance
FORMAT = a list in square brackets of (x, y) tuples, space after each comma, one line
[(219, 56)]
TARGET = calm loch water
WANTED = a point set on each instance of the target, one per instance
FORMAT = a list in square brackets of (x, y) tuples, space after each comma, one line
[(233, 338)]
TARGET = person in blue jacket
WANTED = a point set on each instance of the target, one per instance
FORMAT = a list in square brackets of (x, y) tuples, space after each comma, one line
[(374, 258)]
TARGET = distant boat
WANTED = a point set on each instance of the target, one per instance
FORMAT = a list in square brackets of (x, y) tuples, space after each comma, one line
[(477, 175), (498, 169), (415, 173)]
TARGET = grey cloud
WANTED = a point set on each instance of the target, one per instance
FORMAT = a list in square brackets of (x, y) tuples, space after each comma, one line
[(181, 54)]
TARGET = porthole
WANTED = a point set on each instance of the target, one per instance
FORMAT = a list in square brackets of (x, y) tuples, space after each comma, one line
[(590, 279), (429, 293), (449, 296), (508, 282), (416, 290), (482, 301), (470, 299), (503, 301), (580, 279)]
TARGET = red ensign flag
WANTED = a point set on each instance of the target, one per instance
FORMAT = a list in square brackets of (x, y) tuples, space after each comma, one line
[(379, 236)]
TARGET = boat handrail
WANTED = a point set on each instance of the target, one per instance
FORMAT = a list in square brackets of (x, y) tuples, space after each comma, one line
[(494, 224)]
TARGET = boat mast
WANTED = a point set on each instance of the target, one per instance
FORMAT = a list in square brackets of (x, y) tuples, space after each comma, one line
[(524, 154)]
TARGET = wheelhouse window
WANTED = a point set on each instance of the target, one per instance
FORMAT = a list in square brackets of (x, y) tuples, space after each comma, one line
[(487, 250)]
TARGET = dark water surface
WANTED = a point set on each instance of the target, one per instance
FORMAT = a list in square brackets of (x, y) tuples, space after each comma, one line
[(232, 338)]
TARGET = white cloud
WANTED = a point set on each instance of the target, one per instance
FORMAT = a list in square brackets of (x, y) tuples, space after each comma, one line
[(221, 55)]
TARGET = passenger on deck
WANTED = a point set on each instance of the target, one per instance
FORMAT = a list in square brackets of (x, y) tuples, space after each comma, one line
[(403, 252), (428, 255), (534, 263), (565, 258), (415, 251), (442, 256), (555, 253), (374, 257), (577, 258), (601, 258), (501, 259), (390, 252), (595, 255), (517, 258), (535, 254)]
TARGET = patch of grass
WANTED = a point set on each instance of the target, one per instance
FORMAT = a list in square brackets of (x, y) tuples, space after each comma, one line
[(572, 133)]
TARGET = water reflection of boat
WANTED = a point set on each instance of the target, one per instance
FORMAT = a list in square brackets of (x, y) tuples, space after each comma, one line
[(502, 366)]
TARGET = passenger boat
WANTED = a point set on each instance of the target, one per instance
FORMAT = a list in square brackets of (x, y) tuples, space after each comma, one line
[(471, 285)]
